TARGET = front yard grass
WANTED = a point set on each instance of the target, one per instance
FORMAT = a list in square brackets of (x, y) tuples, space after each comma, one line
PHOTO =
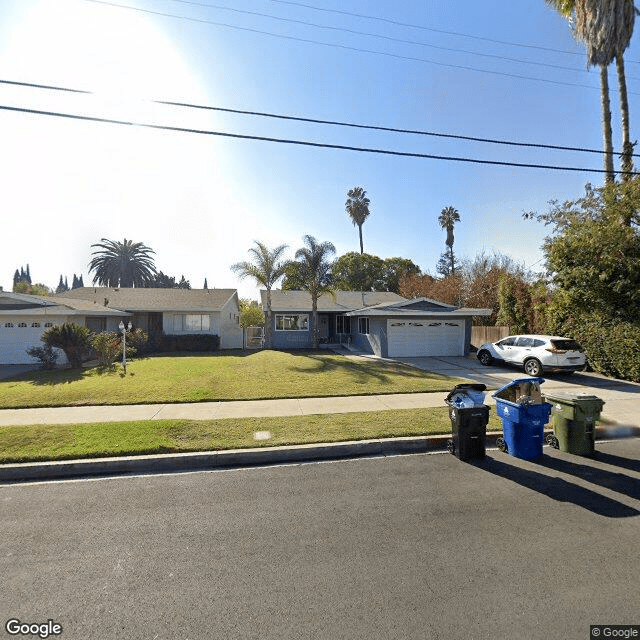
[(221, 376), (67, 442)]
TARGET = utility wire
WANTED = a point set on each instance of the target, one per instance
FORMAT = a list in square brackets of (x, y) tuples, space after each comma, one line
[(337, 123), (346, 47), (423, 28), (305, 143), (383, 37)]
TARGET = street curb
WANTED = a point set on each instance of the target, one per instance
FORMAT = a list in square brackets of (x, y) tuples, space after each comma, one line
[(212, 460), (208, 460)]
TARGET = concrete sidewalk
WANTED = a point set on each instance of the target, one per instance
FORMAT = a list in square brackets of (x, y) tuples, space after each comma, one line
[(217, 410)]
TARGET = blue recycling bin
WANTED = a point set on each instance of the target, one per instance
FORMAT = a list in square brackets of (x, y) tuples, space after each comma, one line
[(523, 413)]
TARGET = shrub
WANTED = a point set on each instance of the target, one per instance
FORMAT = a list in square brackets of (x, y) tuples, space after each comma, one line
[(73, 339), (107, 345), (137, 340), (612, 346), (46, 355), (188, 342)]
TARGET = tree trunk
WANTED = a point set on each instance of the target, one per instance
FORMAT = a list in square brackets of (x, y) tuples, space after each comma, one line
[(606, 125), (361, 245), (627, 147), (314, 319), (268, 333)]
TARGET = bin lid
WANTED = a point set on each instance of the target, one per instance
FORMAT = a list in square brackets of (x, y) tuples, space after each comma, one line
[(516, 383), (572, 398), (467, 386)]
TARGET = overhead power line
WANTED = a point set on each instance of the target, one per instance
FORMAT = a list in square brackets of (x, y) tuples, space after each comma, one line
[(347, 47), (383, 37), (337, 123), (424, 28), (305, 143)]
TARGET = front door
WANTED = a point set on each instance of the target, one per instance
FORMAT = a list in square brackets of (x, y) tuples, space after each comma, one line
[(323, 327)]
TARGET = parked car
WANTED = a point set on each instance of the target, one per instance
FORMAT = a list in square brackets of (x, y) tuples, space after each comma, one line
[(535, 353)]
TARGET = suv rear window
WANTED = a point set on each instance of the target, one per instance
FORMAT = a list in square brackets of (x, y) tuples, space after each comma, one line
[(566, 345)]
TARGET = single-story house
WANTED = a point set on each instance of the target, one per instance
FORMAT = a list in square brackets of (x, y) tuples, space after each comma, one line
[(381, 323), (292, 320), (172, 311), (24, 318)]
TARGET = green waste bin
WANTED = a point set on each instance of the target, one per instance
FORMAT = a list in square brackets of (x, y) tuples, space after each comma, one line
[(574, 417)]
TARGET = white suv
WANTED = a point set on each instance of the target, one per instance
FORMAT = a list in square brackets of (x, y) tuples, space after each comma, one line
[(535, 353)]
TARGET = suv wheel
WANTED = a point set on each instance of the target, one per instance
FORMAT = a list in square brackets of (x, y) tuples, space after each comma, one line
[(532, 367), (485, 358)]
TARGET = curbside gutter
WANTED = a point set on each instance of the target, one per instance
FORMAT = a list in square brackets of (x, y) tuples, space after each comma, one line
[(233, 458)]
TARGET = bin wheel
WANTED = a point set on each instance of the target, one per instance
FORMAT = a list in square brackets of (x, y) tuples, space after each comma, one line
[(451, 448), (552, 441), (501, 444)]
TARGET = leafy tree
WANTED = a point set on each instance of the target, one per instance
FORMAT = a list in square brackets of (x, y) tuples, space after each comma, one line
[(266, 269), (21, 277), (447, 220), (444, 266), (357, 207), (393, 269), (251, 314), (107, 345), (313, 269), (122, 264), (205, 286), (358, 272), (447, 290), (73, 339), (184, 283), (37, 289)]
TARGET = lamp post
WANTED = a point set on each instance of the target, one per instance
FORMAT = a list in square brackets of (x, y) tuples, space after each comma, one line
[(124, 344)]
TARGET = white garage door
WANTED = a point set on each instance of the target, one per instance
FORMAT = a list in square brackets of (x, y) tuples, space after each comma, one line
[(409, 338), (16, 336)]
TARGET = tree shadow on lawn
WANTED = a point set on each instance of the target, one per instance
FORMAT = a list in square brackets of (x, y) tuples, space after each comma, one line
[(558, 489), (52, 378), (364, 370)]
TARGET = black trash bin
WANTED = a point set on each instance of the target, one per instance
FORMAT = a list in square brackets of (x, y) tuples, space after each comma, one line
[(469, 418)]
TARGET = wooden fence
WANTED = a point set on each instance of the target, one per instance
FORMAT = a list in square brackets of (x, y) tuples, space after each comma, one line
[(480, 335)]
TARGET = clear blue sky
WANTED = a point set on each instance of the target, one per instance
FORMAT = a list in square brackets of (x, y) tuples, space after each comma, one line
[(200, 201)]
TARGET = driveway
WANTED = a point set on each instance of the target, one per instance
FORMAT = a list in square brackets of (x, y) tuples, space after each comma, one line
[(622, 399)]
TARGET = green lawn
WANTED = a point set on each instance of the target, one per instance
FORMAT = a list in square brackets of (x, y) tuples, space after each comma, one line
[(222, 376), (64, 442)]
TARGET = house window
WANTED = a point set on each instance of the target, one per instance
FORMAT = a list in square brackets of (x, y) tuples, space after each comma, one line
[(22, 325), (343, 324), (48, 324), (292, 322), (195, 322), (363, 325)]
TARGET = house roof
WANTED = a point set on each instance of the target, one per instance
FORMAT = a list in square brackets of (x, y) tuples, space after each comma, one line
[(418, 307), (151, 299), (25, 304), (342, 301)]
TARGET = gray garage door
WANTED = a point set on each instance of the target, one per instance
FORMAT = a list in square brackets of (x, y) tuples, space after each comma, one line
[(413, 338)]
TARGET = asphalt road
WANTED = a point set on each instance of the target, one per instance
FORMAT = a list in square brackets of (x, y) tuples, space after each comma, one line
[(419, 546)]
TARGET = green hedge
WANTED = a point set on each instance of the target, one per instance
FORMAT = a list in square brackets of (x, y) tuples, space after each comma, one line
[(188, 342), (612, 346)]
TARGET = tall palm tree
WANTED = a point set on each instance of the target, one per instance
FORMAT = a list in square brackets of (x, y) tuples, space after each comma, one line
[(357, 206), (606, 27), (447, 219), (122, 264), (313, 268), (266, 269)]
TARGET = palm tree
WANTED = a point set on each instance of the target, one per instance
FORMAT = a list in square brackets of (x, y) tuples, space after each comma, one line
[(266, 269), (313, 269), (606, 27), (122, 264), (447, 219), (357, 206)]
